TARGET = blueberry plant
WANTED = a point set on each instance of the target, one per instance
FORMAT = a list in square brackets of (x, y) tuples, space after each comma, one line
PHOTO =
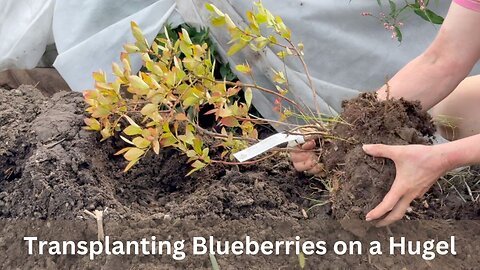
[(392, 15), (161, 106)]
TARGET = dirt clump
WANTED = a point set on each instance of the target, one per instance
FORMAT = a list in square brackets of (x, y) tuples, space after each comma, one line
[(360, 181)]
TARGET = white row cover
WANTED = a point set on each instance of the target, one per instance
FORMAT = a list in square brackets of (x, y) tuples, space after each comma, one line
[(346, 53)]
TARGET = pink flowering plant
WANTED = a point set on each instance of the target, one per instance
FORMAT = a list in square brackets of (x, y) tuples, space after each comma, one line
[(392, 19)]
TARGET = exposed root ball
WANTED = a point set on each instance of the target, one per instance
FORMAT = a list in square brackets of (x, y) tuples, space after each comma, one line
[(361, 181)]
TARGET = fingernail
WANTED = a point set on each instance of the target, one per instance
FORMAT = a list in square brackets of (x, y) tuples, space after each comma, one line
[(368, 219), (366, 146)]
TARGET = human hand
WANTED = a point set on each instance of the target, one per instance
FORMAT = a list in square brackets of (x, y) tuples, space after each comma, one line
[(306, 161), (417, 169)]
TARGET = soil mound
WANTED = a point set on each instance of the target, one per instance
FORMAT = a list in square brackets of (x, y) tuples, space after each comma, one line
[(51, 168)]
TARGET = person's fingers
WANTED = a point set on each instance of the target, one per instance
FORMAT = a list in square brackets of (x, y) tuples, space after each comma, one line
[(397, 212), (301, 156), (316, 169), (388, 202), (379, 150), (309, 145), (305, 165)]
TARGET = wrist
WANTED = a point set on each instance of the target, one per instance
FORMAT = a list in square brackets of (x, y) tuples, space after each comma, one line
[(450, 157)]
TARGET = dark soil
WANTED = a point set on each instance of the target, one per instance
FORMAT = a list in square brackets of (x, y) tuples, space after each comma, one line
[(52, 169), (361, 181), (62, 169)]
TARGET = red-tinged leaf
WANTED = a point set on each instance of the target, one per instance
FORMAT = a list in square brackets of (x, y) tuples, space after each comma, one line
[(212, 111), (133, 154), (90, 94), (224, 112), (168, 141), (123, 151), (233, 91), (181, 117), (229, 122)]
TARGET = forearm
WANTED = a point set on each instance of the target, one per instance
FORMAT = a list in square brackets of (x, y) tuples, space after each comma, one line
[(428, 78), (459, 153), (433, 75)]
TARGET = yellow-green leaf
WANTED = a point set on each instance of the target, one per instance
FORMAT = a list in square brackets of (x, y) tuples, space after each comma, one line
[(186, 36), (230, 24), (129, 48), (130, 165), (106, 133), (100, 77), (197, 165), (100, 112), (92, 124), (248, 96), (149, 109), (282, 54), (218, 21), (243, 68), (132, 130), (236, 47), (213, 8), (117, 70), (262, 42), (301, 260), (141, 142), (156, 146), (197, 146), (138, 83), (189, 101), (137, 33), (133, 154)]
